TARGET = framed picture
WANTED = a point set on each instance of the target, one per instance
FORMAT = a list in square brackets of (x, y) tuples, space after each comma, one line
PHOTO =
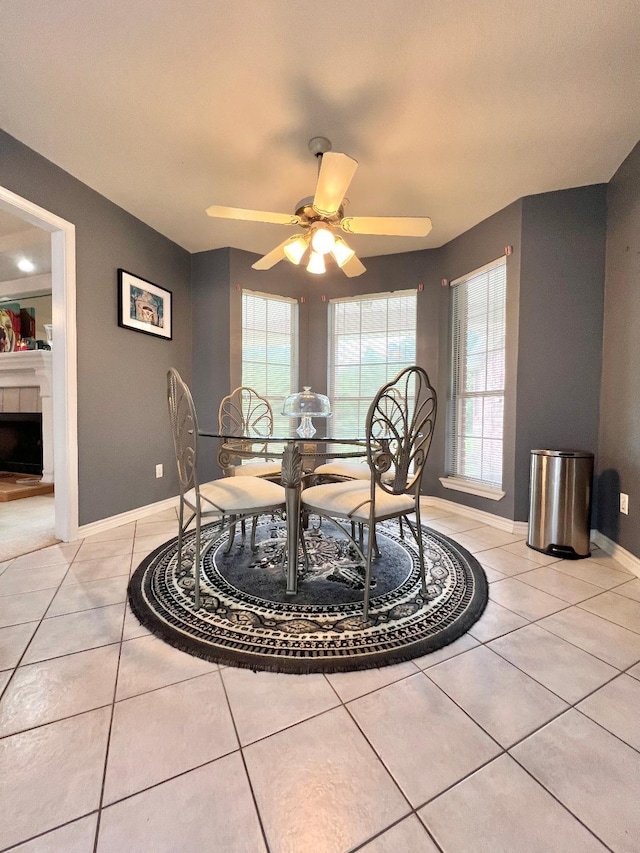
[(143, 306)]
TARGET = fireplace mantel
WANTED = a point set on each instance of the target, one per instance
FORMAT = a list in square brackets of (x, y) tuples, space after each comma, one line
[(28, 368), (15, 367)]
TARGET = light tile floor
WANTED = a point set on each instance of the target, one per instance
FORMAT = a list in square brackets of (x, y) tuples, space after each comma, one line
[(523, 735), (26, 524)]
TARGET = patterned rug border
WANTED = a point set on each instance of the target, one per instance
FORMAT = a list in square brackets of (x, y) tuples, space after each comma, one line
[(303, 665)]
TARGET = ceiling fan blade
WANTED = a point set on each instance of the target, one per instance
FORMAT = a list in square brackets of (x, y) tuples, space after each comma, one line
[(271, 258), (221, 212), (354, 267), (387, 226), (336, 173)]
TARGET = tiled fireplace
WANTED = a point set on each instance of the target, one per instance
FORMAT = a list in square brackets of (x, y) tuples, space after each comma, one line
[(25, 386)]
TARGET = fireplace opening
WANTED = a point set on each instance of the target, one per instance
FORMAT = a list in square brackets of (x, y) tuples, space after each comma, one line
[(21, 442)]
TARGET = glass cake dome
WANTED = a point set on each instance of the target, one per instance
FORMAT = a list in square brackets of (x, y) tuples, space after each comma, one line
[(306, 404)]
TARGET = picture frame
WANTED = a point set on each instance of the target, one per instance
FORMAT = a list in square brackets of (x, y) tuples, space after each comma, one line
[(143, 306)]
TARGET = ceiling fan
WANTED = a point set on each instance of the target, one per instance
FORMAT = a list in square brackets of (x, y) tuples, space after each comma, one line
[(322, 215)]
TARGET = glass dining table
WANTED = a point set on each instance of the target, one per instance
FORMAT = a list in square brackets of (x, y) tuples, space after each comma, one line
[(299, 457)]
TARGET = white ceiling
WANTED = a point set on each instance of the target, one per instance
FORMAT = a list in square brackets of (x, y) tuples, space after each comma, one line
[(21, 241), (453, 109)]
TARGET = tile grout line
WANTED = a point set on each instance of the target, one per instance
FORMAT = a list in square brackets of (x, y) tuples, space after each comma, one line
[(110, 729), (560, 803), (391, 826), (40, 621), (244, 763), (617, 674), (17, 666), (47, 831)]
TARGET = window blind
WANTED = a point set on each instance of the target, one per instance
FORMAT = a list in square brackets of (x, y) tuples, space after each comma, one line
[(475, 427), (270, 350), (371, 338)]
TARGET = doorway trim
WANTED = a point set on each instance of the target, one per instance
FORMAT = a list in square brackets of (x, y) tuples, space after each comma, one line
[(64, 389)]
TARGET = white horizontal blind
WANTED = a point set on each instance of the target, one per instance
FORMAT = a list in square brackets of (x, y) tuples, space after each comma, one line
[(475, 428), (372, 338), (270, 350)]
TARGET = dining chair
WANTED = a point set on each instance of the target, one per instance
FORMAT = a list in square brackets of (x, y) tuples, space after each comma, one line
[(359, 470), (229, 497), (338, 470), (246, 414), (399, 429)]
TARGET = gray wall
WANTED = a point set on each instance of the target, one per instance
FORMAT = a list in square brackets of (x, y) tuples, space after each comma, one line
[(555, 278), (560, 335), (123, 427), (619, 449), (211, 346)]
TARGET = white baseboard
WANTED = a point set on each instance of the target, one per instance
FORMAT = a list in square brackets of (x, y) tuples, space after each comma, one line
[(515, 527), (126, 517), (626, 559)]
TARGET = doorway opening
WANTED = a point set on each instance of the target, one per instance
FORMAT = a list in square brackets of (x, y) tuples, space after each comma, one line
[(63, 399)]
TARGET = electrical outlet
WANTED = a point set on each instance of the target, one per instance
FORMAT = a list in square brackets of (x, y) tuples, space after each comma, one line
[(624, 503), (159, 471)]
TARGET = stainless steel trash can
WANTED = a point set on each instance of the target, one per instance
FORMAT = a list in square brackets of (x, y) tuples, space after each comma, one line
[(560, 502)]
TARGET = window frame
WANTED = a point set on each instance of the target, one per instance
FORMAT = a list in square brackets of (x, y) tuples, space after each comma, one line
[(455, 479), (280, 426), (391, 368)]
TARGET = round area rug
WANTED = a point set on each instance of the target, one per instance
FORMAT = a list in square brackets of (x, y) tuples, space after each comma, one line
[(246, 619)]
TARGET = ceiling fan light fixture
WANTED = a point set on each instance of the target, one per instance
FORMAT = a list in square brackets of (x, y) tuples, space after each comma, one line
[(316, 264), (322, 240), (295, 248), (342, 252)]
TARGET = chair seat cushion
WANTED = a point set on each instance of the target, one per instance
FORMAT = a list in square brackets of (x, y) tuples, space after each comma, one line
[(351, 471), (352, 500), (346, 470), (237, 496), (257, 469)]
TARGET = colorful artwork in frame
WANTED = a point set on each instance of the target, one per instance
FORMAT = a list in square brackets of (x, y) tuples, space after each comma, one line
[(143, 306)]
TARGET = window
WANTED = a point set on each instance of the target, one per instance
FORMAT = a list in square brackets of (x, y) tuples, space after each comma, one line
[(270, 350), (372, 338), (475, 424)]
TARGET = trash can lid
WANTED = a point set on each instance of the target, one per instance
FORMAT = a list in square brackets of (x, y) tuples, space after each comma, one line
[(574, 454)]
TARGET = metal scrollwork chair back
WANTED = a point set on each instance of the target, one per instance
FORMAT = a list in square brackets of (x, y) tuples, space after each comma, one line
[(399, 426), (184, 430), (246, 414), (236, 498), (337, 470)]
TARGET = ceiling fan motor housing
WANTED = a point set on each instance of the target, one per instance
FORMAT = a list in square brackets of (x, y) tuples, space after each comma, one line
[(319, 145), (308, 215)]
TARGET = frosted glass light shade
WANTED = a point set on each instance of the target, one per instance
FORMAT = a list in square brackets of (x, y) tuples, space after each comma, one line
[(295, 248), (341, 252), (316, 264)]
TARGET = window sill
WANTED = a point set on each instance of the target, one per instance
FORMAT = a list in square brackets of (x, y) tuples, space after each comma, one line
[(472, 487)]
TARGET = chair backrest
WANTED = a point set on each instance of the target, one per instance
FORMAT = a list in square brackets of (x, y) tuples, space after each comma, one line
[(184, 429), (244, 412), (400, 424)]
